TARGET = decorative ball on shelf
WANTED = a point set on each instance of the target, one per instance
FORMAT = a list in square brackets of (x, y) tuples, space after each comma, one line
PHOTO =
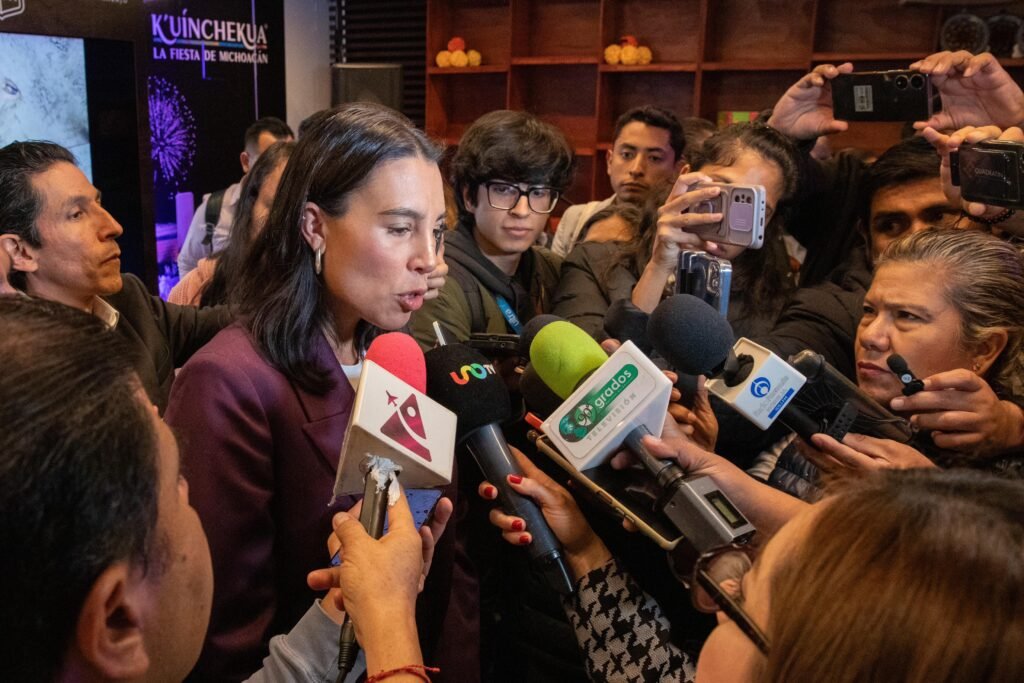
[(964, 31), (443, 59), (613, 53), (630, 55), (457, 43), (629, 40), (644, 55), (459, 58), (474, 57)]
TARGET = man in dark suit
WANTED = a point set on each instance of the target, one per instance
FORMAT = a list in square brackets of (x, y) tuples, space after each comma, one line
[(62, 245)]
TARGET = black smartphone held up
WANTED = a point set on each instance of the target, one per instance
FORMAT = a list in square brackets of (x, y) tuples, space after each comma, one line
[(990, 172), (495, 345), (882, 96)]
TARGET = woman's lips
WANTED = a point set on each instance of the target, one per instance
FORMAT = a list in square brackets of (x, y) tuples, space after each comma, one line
[(411, 301), (871, 370)]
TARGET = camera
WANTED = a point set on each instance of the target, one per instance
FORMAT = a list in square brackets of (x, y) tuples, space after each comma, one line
[(743, 214), (882, 96), (989, 172), (706, 277)]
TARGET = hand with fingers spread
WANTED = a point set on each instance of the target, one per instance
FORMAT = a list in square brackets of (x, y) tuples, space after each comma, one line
[(804, 112), (584, 550), (859, 453), (378, 580), (975, 89), (945, 144), (964, 414), (436, 277)]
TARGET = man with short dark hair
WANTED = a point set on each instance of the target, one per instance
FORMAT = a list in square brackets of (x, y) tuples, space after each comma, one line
[(647, 154), (106, 568), (62, 245), (211, 224)]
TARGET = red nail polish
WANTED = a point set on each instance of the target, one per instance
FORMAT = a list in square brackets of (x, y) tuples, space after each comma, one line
[(524, 539), (490, 492), (517, 525), (515, 479)]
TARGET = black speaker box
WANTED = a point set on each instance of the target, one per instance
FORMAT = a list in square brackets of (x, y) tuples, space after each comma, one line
[(380, 83)]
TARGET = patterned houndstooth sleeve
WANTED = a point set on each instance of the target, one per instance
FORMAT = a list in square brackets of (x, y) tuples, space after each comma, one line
[(621, 631)]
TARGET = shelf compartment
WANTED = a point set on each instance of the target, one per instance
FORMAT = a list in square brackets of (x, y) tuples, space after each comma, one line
[(840, 57), (623, 91), (562, 95), (879, 26), (759, 31), (872, 136), (743, 90), (554, 60), (466, 70), (654, 67), (457, 100), (671, 28), (555, 28), (484, 24), (748, 65)]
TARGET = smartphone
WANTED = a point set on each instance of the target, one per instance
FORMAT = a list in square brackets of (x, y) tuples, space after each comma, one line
[(899, 95), (630, 494), (743, 213), (706, 277), (990, 172), (495, 345), (421, 503)]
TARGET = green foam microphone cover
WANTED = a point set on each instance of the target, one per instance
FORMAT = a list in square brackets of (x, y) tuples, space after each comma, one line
[(563, 355)]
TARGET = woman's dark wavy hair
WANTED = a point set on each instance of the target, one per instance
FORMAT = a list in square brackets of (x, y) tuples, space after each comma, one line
[(282, 299), (758, 274), (78, 476), (231, 258), (514, 146)]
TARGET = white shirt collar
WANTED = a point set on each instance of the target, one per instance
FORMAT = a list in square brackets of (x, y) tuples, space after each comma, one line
[(105, 312)]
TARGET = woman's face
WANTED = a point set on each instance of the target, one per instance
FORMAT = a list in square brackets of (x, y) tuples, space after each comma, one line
[(749, 168), (378, 253), (906, 312), (728, 655)]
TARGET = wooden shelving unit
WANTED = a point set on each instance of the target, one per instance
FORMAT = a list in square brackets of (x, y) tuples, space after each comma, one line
[(545, 56)]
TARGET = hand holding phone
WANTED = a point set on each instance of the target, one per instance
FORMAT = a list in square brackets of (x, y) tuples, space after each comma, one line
[(742, 208), (898, 95)]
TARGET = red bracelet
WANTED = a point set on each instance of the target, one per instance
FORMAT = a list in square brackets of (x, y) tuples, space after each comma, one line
[(415, 669)]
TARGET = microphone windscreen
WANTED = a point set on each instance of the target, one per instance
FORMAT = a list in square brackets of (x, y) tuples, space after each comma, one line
[(539, 398), (625, 322), (897, 364), (530, 330), (690, 334), (399, 354), (464, 382), (564, 355)]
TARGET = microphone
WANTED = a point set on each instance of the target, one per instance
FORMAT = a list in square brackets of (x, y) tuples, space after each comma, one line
[(530, 330), (806, 394), (911, 384), (388, 435), (539, 399), (465, 382), (625, 322), (613, 402)]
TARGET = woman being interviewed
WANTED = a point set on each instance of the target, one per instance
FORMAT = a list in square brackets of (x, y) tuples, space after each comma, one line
[(349, 248)]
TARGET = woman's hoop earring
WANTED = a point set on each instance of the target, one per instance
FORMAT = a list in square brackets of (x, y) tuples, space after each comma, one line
[(318, 260)]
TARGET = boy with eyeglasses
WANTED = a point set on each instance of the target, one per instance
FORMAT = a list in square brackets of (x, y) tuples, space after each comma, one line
[(507, 175)]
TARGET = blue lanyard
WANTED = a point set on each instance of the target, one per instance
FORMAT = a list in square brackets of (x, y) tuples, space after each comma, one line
[(510, 316)]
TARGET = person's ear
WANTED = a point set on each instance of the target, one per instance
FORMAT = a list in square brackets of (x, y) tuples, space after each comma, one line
[(988, 349), (109, 635), (682, 167), (467, 200), (314, 226), (243, 158), (22, 255), (608, 161)]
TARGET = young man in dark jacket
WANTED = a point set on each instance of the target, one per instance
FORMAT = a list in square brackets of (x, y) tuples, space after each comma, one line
[(507, 176)]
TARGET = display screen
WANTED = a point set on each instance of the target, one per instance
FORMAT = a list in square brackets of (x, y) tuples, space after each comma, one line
[(730, 514), (43, 93)]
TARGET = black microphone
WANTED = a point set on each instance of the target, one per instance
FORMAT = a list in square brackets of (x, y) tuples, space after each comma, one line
[(465, 382), (625, 322), (911, 384), (538, 397)]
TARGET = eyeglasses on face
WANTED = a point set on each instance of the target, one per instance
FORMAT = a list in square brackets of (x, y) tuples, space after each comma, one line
[(717, 566), (504, 196)]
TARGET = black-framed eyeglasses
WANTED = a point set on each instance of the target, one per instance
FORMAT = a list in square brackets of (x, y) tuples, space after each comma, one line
[(505, 196), (712, 569)]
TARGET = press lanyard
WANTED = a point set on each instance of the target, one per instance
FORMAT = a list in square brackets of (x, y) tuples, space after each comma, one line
[(510, 316)]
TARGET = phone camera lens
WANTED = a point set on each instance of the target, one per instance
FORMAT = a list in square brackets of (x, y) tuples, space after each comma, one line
[(901, 82), (917, 81)]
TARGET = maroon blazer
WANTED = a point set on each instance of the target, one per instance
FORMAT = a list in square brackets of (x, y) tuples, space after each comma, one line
[(260, 455)]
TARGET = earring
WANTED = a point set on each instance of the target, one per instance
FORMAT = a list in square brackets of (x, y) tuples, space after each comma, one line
[(318, 259)]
